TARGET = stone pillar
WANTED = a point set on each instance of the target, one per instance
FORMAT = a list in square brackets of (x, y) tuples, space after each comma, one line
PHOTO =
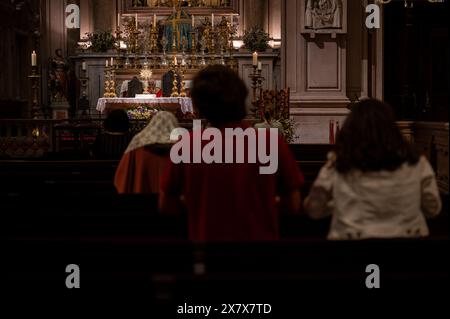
[(314, 67)]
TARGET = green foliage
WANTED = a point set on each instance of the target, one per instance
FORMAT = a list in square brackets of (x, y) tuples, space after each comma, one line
[(256, 39), (102, 40)]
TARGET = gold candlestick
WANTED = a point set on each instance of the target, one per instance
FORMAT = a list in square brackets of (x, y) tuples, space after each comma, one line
[(257, 80), (153, 39), (106, 84), (118, 48), (36, 109), (183, 83), (175, 82), (112, 84)]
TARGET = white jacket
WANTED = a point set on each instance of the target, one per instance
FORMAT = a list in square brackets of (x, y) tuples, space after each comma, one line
[(379, 204)]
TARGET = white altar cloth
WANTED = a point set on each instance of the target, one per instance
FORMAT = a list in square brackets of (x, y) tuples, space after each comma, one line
[(185, 102)]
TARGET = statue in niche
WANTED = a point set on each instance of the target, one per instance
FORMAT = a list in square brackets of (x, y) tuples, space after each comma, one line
[(323, 14), (58, 77)]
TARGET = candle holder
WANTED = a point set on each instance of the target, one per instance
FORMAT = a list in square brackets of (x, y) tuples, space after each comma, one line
[(83, 104), (136, 49), (36, 109), (257, 81), (127, 62), (106, 84), (112, 83), (118, 48), (183, 82), (193, 42), (175, 81), (153, 39), (203, 48), (164, 43)]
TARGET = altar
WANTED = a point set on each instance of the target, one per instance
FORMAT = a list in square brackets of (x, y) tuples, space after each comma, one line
[(172, 104)]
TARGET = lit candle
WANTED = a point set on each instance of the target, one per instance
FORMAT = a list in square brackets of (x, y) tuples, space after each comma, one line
[(83, 66), (193, 21), (175, 61), (135, 18), (34, 59), (107, 63), (154, 20), (118, 21), (112, 61), (212, 20), (255, 59), (259, 66)]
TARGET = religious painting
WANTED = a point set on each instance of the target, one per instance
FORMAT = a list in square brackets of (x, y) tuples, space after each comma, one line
[(324, 16), (191, 6)]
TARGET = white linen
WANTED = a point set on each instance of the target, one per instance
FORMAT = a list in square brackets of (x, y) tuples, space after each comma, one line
[(185, 102)]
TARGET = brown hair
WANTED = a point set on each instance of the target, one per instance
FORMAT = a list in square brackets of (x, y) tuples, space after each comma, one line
[(219, 95), (370, 140)]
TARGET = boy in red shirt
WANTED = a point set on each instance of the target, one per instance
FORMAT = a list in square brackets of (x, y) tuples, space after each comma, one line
[(230, 201)]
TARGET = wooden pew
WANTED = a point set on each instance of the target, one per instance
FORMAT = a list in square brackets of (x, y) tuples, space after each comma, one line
[(28, 177), (262, 270)]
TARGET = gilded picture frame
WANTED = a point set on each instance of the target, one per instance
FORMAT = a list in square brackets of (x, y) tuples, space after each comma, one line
[(165, 7)]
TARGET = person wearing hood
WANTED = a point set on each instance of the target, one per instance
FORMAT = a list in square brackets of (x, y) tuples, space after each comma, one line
[(145, 159)]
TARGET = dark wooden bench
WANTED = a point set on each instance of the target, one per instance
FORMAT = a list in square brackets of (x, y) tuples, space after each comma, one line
[(28, 177), (260, 270)]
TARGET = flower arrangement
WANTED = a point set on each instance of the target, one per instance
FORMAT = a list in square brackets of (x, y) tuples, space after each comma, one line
[(101, 40), (256, 39), (142, 112), (288, 130)]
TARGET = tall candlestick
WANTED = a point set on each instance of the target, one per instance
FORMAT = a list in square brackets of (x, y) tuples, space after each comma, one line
[(255, 58), (34, 59)]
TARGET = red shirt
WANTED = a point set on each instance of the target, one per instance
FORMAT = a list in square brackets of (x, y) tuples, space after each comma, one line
[(232, 202)]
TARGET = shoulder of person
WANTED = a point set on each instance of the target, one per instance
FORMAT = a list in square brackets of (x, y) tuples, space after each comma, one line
[(331, 159)]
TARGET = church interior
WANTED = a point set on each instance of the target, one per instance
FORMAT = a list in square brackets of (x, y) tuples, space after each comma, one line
[(71, 65)]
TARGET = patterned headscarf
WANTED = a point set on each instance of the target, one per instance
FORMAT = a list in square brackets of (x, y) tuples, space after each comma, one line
[(157, 131)]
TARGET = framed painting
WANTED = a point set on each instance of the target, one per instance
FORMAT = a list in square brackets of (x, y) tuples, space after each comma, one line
[(165, 7), (323, 16)]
